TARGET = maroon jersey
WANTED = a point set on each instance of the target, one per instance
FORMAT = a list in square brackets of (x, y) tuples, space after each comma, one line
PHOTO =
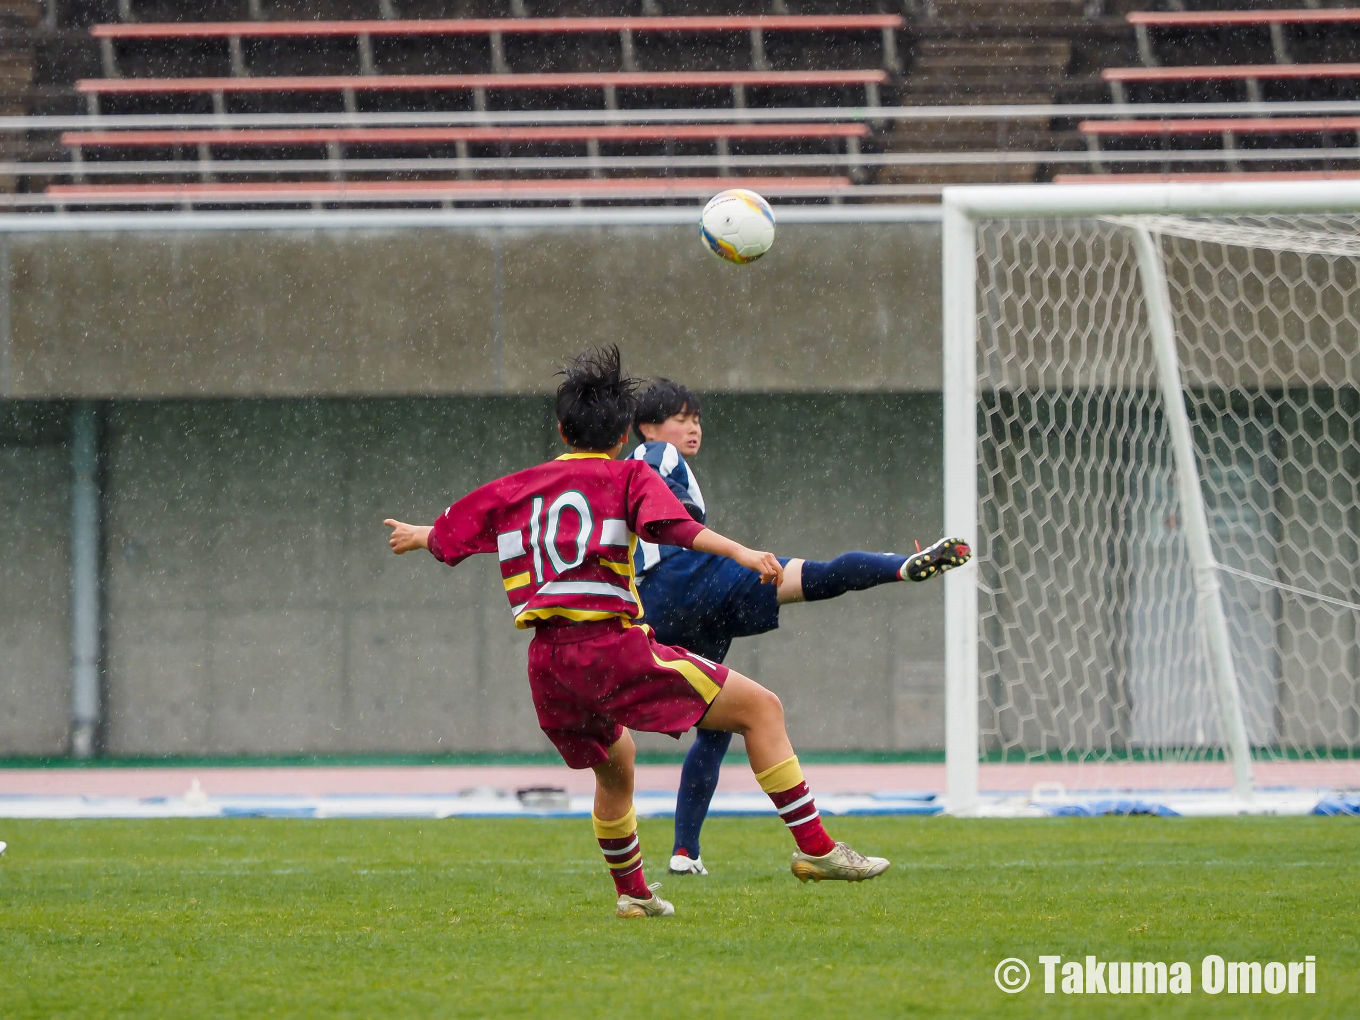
[(565, 533)]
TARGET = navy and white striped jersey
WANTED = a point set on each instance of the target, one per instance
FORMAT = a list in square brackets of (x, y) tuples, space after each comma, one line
[(666, 461)]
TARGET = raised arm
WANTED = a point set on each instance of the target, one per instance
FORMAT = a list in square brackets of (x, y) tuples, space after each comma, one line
[(460, 531)]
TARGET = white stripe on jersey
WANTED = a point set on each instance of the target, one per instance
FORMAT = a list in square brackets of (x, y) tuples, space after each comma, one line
[(585, 588), (614, 531), (510, 544), (671, 463), (651, 555), (670, 460)]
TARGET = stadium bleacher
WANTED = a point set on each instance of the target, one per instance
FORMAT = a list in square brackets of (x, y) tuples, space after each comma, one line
[(250, 92), (256, 64), (1260, 56), (640, 40)]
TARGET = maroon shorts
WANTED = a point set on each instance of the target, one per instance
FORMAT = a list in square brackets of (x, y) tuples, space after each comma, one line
[(590, 680)]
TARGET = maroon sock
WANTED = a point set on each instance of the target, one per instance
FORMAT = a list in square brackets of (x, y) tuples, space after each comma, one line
[(624, 857), (799, 812)]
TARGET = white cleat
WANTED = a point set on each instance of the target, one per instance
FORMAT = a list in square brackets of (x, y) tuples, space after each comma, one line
[(682, 865), (3, 844), (652, 906), (842, 864)]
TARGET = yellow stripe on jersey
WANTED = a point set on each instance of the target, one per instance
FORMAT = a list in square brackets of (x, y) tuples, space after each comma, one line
[(526, 618), (697, 678), (582, 456), (518, 581), (626, 569), (632, 572)]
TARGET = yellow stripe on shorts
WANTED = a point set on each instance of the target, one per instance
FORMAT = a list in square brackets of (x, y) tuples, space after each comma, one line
[(698, 679)]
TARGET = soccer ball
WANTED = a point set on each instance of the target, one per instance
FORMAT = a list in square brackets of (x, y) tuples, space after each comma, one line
[(737, 226)]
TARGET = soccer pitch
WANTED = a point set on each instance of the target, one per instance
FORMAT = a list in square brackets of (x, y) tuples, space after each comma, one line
[(492, 917)]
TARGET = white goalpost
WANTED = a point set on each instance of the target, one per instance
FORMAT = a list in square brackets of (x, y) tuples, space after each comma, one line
[(1152, 435)]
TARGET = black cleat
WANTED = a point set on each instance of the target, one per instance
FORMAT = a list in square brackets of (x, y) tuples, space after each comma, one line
[(936, 559)]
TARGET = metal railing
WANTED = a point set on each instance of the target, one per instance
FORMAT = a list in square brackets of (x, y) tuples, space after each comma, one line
[(723, 115), (338, 168)]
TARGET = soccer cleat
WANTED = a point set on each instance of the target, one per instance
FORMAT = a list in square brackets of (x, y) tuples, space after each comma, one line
[(652, 906), (683, 865), (842, 864), (3, 844), (936, 559)]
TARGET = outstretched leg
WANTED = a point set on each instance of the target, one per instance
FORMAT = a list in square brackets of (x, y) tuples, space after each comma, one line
[(615, 824), (804, 581), (698, 781), (815, 580), (743, 706)]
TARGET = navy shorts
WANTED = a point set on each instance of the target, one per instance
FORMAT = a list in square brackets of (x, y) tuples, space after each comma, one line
[(700, 602)]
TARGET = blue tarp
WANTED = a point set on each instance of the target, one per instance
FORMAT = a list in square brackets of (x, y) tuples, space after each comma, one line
[(1112, 806), (1339, 804)]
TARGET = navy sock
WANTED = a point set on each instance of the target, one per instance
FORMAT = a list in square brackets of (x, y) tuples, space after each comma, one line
[(852, 571), (698, 781)]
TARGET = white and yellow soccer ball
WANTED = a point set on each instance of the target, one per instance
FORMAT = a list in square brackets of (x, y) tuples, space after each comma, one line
[(737, 226)]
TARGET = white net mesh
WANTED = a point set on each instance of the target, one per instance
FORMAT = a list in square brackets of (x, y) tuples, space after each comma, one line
[(1090, 642)]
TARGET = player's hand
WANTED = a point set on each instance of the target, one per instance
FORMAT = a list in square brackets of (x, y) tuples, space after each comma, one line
[(406, 537), (763, 563)]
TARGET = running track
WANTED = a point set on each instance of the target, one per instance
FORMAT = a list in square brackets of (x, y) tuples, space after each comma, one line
[(736, 778)]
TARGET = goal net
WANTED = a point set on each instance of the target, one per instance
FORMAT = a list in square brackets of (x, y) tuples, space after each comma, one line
[(1153, 433)]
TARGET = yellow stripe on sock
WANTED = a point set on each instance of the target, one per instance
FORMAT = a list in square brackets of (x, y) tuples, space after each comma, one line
[(778, 778), (618, 828), (625, 865)]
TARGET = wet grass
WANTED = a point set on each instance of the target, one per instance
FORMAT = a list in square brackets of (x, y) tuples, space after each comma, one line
[(466, 918)]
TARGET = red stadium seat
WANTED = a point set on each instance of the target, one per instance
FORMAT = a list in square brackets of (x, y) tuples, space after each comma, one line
[(1274, 20), (1225, 128), (1208, 178), (294, 192), (495, 29), (437, 135), (1250, 74), (1211, 19), (479, 84), (485, 26), (1218, 125)]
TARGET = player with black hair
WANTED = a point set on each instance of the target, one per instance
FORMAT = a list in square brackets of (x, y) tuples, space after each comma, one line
[(701, 602), (565, 533)]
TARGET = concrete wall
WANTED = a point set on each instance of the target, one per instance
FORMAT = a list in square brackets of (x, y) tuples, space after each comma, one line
[(463, 311), (253, 607), (35, 619), (250, 602)]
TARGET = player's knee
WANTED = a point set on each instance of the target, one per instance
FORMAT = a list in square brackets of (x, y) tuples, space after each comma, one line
[(768, 707)]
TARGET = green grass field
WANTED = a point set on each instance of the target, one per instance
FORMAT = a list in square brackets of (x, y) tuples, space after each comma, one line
[(473, 918)]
